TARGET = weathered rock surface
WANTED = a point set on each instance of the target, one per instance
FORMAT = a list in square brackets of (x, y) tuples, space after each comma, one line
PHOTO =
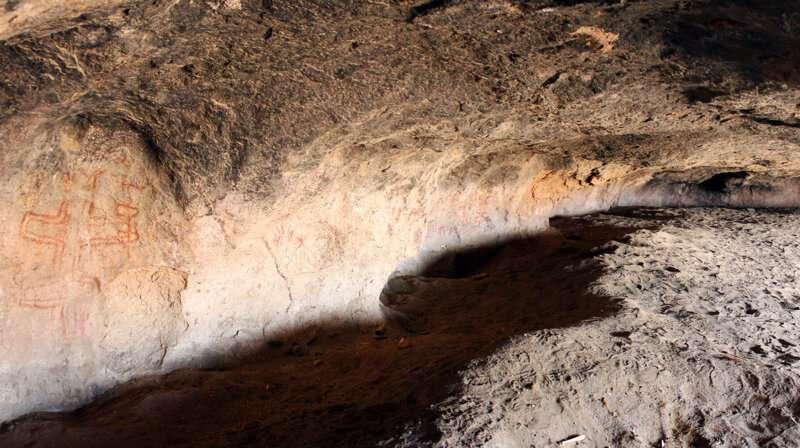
[(602, 327), (186, 181), (702, 351)]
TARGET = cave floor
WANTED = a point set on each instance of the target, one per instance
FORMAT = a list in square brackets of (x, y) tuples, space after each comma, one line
[(637, 327)]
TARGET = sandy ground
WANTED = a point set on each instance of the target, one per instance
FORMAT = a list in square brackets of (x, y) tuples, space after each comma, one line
[(640, 327)]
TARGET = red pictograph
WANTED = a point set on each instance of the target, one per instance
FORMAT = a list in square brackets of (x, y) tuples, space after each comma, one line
[(57, 221), (90, 234)]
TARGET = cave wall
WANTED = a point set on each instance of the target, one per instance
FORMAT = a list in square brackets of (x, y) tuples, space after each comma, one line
[(187, 181), (106, 278)]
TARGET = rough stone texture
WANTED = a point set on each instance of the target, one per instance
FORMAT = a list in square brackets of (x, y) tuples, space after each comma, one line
[(703, 351), (89, 236), (186, 181), (635, 328)]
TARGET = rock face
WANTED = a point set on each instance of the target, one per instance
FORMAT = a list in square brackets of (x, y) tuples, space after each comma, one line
[(90, 238), (702, 350), (185, 182), (636, 327)]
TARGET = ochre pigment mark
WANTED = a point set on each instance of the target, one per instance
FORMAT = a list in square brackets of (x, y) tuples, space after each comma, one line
[(125, 212), (57, 220), (73, 318), (98, 211)]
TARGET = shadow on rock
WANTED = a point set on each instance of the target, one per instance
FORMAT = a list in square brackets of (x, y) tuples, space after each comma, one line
[(748, 42), (346, 386)]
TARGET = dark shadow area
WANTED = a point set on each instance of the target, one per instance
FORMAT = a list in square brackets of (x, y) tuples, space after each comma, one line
[(429, 6), (734, 44), (710, 187), (724, 182), (701, 94), (794, 123), (11, 5), (332, 385), (426, 7)]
